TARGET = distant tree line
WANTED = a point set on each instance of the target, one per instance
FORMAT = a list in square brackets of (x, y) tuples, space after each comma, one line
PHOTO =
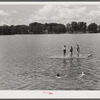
[(82, 27), (50, 28)]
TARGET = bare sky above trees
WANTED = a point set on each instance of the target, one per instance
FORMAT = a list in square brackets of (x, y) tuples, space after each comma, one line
[(45, 13)]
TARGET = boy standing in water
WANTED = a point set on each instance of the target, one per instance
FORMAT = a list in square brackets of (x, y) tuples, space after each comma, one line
[(77, 50), (71, 51), (64, 50)]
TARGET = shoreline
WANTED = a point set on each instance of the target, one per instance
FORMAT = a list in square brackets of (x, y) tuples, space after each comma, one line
[(54, 34)]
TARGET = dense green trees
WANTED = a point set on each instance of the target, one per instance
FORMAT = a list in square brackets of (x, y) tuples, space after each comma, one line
[(55, 28), (69, 28), (4, 30), (36, 28), (92, 28), (82, 27), (50, 28), (10, 30), (76, 27)]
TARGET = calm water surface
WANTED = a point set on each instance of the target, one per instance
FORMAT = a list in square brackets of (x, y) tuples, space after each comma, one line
[(25, 62)]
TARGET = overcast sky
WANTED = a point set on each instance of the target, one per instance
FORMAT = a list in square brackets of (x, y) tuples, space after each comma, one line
[(25, 14)]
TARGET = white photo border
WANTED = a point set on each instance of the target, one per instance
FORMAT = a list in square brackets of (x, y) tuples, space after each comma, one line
[(44, 94)]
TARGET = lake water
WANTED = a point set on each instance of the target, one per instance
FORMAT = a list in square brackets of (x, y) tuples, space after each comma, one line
[(25, 62)]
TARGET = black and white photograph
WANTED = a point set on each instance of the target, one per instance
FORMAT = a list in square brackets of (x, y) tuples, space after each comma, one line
[(50, 46)]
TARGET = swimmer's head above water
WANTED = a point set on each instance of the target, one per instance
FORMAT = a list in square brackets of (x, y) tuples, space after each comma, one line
[(64, 45), (58, 75)]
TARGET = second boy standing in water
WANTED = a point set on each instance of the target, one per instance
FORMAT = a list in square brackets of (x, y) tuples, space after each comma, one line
[(71, 51)]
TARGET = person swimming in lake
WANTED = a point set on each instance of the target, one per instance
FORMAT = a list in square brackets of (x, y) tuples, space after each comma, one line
[(77, 50), (59, 76), (71, 51), (64, 50)]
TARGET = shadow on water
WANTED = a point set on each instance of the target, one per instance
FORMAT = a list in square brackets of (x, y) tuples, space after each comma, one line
[(78, 62), (71, 62), (64, 63)]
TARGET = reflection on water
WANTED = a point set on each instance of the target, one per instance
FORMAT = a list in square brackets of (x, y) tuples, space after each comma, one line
[(78, 62), (71, 62), (64, 63)]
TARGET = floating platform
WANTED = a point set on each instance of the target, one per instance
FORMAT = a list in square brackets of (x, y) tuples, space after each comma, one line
[(74, 56)]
